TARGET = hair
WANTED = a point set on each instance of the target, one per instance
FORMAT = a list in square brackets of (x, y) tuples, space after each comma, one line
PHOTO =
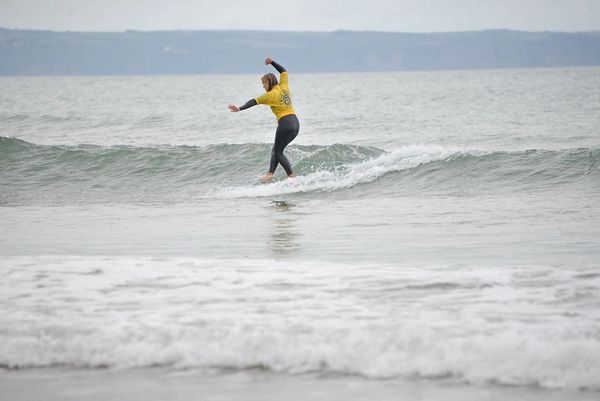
[(270, 79)]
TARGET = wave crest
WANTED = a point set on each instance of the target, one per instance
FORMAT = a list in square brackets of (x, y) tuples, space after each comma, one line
[(181, 173)]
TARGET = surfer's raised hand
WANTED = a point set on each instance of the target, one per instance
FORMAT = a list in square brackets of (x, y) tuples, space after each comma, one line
[(268, 61), (233, 108)]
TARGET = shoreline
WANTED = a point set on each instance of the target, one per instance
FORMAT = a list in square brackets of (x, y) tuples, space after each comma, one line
[(159, 384)]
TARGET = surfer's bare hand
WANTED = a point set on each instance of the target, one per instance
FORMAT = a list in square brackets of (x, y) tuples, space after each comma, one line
[(268, 61), (233, 108)]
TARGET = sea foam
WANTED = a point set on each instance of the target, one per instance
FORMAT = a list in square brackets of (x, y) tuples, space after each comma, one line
[(347, 176), (490, 324)]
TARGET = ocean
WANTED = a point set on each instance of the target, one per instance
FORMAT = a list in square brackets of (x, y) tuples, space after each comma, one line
[(441, 240)]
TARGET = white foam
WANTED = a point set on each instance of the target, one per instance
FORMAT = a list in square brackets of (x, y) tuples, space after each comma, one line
[(475, 324), (346, 177)]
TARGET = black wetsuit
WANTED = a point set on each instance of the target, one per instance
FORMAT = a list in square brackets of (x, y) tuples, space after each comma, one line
[(288, 127)]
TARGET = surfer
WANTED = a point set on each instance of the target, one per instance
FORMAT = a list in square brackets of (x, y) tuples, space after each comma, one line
[(278, 97)]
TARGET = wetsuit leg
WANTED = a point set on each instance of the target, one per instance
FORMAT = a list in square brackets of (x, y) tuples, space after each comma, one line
[(287, 130)]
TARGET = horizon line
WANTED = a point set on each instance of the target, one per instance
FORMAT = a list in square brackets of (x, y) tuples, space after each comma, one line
[(294, 31)]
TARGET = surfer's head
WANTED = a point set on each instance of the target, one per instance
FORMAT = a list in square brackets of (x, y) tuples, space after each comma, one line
[(269, 81)]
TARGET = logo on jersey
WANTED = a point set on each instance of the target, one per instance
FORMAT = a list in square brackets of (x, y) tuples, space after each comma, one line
[(285, 98)]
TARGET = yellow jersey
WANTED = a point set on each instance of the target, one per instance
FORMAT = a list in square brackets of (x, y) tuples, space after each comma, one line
[(278, 98)]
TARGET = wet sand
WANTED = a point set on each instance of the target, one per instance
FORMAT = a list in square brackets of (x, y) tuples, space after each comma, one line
[(159, 384)]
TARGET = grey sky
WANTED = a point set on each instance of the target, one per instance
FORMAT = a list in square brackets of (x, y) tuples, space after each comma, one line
[(302, 15)]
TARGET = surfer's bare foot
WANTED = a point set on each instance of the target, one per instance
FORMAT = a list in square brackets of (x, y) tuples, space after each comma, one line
[(267, 177), (291, 176)]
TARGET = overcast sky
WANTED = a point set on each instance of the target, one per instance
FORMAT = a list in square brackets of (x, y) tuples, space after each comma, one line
[(302, 15)]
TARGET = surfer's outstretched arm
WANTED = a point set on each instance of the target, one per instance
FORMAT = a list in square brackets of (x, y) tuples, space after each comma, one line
[(234, 109), (277, 66)]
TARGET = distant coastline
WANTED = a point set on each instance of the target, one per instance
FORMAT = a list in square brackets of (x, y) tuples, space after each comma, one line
[(28, 52)]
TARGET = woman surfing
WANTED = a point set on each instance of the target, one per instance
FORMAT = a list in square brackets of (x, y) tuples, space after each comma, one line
[(278, 97)]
